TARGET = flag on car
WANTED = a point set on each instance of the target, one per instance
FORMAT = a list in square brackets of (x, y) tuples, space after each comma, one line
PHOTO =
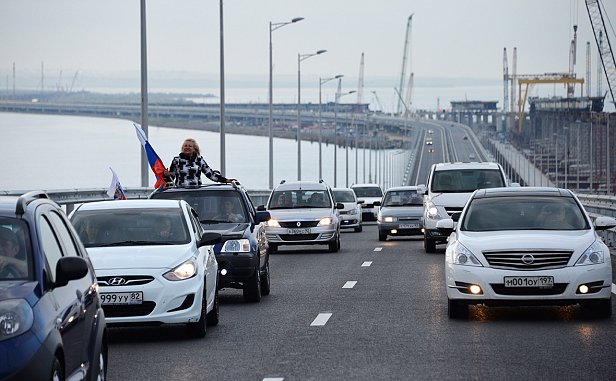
[(155, 163), (115, 189)]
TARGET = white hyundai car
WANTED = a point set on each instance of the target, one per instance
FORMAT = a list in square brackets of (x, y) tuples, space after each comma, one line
[(153, 262), (527, 246)]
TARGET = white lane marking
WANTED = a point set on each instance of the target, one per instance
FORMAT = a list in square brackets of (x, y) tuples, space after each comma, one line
[(273, 379), (613, 288), (366, 264), (350, 284), (321, 319), (378, 248)]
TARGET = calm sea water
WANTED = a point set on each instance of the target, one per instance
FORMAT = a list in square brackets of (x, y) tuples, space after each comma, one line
[(64, 152)]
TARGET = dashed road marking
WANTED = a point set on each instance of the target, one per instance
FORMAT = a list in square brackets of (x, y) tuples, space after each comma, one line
[(273, 379), (613, 288), (350, 284), (366, 264), (321, 319), (378, 248)]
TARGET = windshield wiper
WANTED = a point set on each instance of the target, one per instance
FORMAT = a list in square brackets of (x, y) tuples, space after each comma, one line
[(133, 243), (211, 221)]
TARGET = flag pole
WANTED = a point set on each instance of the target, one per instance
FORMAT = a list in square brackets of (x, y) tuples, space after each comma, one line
[(144, 96)]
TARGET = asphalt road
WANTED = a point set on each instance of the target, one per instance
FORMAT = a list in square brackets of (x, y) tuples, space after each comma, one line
[(391, 324)]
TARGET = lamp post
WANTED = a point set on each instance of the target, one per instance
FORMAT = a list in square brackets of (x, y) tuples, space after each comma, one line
[(300, 58), (273, 27), (336, 99), (144, 94), (223, 164), (323, 81)]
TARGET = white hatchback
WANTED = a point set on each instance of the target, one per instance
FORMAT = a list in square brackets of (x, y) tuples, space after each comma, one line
[(153, 262), (527, 246)]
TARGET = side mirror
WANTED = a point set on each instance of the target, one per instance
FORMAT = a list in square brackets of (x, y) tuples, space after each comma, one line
[(604, 223), (261, 208), (376, 203), (70, 268), (339, 205), (263, 216), (445, 226), (209, 238)]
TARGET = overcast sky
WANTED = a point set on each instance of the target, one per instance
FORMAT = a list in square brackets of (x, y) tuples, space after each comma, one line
[(450, 38)]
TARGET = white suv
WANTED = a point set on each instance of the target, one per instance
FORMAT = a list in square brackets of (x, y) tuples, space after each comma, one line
[(369, 193), (449, 186)]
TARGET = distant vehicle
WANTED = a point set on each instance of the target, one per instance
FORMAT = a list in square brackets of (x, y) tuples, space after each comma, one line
[(242, 254), (431, 150), (350, 216), (369, 193), (430, 131), (449, 187), (429, 141), (465, 137), (472, 156), (527, 246), (303, 213), (52, 326), (400, 213), (154, 263)]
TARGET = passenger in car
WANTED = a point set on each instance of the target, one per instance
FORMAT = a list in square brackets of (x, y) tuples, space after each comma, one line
[(12, 263), (229, 212), (553, 216)]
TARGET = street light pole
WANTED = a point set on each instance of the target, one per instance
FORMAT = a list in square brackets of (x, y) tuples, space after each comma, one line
[(273, 27), (145, 170), (300, 58), (323, 81), (222, 95)]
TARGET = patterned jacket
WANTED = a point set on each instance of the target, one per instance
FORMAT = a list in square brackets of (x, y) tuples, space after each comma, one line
[(186, 171)]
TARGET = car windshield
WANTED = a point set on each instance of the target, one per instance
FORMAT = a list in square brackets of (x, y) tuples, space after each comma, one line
[(524, 213), (15, 250), (368, 192), (131, 227), (344, 196), (403, 198), (466, 180), (212, 206), (300, 198)]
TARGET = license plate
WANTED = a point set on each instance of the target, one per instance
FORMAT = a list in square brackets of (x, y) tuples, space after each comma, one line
[(122, 298), (529, 281), (408, 226), (298, 231)]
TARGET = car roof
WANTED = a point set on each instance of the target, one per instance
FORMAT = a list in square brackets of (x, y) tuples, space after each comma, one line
[(131, 204), (466, 165), (522, 191), (342, 190), (366, 185), (196, 188), (403, 188), (305, 185)]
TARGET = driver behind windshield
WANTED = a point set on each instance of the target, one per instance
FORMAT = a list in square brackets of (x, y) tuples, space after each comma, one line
[(12, 265)]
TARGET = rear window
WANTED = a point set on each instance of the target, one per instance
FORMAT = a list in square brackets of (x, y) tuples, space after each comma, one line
[(466, 180)]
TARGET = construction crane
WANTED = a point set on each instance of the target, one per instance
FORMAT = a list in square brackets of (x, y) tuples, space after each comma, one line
[(70, 90), (595, 14), (405, 54), (360, 82), (378, 101), (572, 61)]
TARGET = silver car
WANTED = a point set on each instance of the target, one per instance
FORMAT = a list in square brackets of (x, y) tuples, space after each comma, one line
[(401, 211), (302, 213), (350, 215)]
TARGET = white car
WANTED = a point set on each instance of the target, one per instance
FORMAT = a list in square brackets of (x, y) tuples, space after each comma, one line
[(527, 246), (369, 193), (350, 216), (153, 262)]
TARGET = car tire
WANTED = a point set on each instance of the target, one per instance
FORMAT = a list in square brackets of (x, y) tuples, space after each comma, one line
[(382, 236), (213, 316), (358, 229), (199, 329), (98, 370), (429, 245), (334, 246), (252, 287), (56, 373), (597, 308), (265, 281), (272, 248), (457, 309)]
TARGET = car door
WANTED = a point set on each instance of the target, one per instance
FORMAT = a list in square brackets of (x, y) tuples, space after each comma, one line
[(74, 302), (210, 265)]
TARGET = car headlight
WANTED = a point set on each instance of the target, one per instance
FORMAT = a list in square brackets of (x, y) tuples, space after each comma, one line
[(463, 256), (389, 219), (432, 211), (236, 246), (272, 223), (326, 221), (353, 211), (16, 317), (592, 256), (184, 271)]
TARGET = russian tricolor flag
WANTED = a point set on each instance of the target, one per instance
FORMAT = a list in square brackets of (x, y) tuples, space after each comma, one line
[(155, 163)]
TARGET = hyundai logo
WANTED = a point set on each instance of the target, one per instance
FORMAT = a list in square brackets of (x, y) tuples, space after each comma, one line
[(528, 259), (299, 224), (117, 281)]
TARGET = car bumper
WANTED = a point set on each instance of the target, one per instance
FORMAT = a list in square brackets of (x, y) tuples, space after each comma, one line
[(369, 213), (317, 235), (400, 228), (163, 301), (565, 289), (26, 358), (349, 221), (239, 267)]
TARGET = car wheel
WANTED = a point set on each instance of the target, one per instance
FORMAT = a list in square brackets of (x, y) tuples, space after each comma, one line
[(214, 315), (597, 308), (457, 309), (56, 373), (382, 236), (358, 229), (265, 281), (252, 287), (99, 370), (429, 245), (272, 248), (334, 246), (198, 329)]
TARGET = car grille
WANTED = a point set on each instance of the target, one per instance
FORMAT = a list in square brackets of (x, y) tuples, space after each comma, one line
[(298, 237), (294, 224), (528, 260), (143, 309), (129, 280), (500, 289)]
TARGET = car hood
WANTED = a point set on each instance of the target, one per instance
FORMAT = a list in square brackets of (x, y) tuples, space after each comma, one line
[(300, 214), (450, 199), (227, 230), (578, 240), (399, 211), (369, 200), (349, 206), (139, 257), (19, 289)]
